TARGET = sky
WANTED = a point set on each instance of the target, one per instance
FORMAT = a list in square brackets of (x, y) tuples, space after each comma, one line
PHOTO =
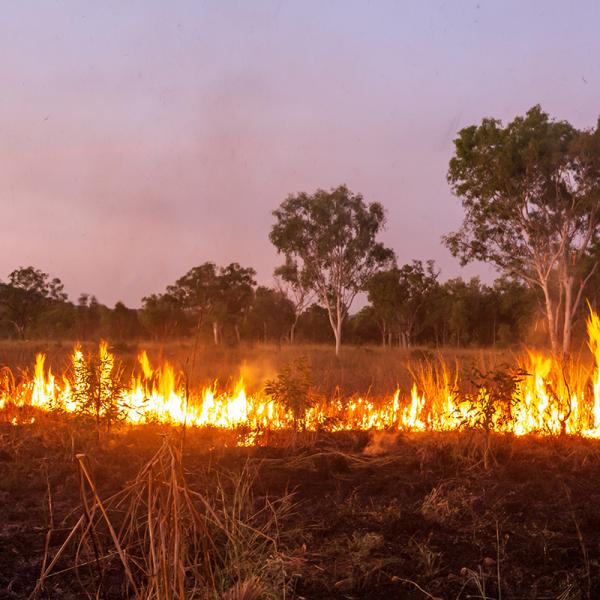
[(139, 139)]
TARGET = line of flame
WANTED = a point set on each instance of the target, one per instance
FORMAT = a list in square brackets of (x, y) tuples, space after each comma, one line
[(543, 403)]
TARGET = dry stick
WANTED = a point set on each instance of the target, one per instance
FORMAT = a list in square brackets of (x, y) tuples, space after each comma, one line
[(51, 520), (56, 558), (119, 497), (82, 539), (498, 561), (90, 527), (122, 556), (164, 559), (187, 390), (153, 565), (178, 583)]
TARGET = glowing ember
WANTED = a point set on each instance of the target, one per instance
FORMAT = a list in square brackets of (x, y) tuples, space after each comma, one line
[(551, 398)]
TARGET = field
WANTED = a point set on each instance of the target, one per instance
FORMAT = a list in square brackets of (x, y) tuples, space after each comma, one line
[(360, 369), (163, 510)]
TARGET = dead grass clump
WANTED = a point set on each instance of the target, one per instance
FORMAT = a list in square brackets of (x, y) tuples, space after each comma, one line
[(160, 539), (446, 504)]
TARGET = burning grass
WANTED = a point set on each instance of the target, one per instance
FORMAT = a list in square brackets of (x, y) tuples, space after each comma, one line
[(535, 394), (136, 482)]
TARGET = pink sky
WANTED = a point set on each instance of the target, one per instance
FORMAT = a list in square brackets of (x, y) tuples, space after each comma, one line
[(140, 139)]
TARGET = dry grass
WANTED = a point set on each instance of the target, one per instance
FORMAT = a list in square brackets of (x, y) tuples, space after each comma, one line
[(359, 370), (421, 519), (162, 540)]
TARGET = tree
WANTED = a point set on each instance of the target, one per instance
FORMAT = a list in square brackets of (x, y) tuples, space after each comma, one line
[(469, 321), (330, 238), (163, 316), (87, 316), (28, 292), (124, 322), (516, 305), (197, 293), (531, 194), (207, 293), (363, 327), (236, 292), (270, 315), (314, 326), (385, 295), (398, 297), (295, 286)]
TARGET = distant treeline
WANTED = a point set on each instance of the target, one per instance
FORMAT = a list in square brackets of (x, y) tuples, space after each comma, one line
[(530, 191), (407, 306)]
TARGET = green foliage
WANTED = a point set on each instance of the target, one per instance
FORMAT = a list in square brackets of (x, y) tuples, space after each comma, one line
[(124, 323), (531, 194), (270, 316), (329, 242), (494, 394), (206, 293), (163, 316), (98, 387), (292, 388), (28, 293), (399, 296)]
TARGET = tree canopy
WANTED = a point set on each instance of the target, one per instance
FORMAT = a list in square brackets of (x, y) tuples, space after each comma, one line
[(27, 293), (531, 194), (329, 239)]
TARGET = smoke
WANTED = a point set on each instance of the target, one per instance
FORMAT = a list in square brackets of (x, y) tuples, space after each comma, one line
[(256, 372), (381, 442)]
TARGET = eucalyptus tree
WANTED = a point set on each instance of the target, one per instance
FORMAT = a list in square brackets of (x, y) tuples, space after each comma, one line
[(197, 293), (330, 239), (531, 194), (235, 294), (28, 292), (295, 286), (399, 296), (208, 293)]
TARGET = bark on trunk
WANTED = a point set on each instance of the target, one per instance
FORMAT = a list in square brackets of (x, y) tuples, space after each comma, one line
[(551, 318), (215, 327), (338, 336), (568, 319), (293, 329)]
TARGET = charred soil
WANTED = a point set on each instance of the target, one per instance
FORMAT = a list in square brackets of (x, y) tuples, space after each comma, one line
[(372, 516)]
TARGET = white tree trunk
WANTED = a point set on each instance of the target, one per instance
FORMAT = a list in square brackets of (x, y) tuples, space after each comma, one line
[(338, 336), (568, 319), (551, 318)]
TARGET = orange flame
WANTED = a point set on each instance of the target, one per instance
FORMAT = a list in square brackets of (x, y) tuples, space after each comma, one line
[(543, 403)]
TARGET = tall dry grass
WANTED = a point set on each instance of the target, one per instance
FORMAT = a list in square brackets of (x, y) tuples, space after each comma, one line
[(163, 540), (362, 370)]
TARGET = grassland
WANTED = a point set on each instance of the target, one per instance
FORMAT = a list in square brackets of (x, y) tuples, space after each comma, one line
[(312, 515), (359, 369)]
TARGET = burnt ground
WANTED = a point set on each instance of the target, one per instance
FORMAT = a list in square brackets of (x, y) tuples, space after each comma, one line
[(382, 516)]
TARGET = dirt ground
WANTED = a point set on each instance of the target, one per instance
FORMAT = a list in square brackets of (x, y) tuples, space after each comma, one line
[(373, 516)]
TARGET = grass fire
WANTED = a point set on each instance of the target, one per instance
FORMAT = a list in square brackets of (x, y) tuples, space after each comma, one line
[(299, 300), (143, 484), (538, 394)]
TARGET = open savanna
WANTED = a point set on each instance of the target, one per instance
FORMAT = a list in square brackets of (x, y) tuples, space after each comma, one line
[(160, 511), (359, 370)]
